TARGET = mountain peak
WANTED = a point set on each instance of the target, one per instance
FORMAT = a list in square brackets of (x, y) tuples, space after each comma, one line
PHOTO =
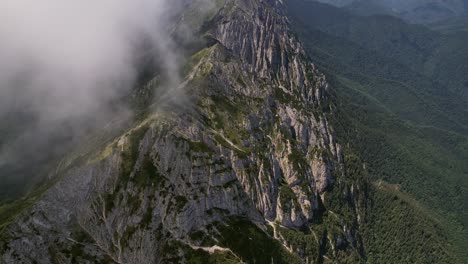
[(252, 149)]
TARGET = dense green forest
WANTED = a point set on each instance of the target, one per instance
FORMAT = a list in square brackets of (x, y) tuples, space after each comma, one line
[(402, 95)]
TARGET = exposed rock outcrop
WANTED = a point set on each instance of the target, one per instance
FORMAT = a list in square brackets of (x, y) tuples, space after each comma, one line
[(254, 143)]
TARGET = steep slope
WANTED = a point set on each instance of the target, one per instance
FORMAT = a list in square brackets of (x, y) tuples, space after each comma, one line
[(250, 149), (239, 163), (393, 125)]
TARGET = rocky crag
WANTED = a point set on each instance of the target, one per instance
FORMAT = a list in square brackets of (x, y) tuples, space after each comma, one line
[(247, 169)]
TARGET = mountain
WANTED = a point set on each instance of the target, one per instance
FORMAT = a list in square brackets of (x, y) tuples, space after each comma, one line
[(452, 25), (418, 49), (338, 3), (414, 11), (239, 171), (397, 107), (257, 156)]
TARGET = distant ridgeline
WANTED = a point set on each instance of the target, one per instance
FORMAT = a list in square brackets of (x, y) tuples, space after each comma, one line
[(414, 11)]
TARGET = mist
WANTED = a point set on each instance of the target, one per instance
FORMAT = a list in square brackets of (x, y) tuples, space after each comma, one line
[(63, 63)]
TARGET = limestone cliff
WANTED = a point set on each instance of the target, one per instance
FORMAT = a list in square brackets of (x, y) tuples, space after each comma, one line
[(247, 160)]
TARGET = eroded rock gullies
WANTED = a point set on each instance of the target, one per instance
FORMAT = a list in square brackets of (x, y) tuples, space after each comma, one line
[(254, 143)]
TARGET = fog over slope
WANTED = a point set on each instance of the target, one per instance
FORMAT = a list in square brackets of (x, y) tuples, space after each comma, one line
[(64, 61)]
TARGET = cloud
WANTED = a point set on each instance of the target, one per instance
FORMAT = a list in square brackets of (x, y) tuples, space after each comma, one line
[(69, 55), (63, 61)]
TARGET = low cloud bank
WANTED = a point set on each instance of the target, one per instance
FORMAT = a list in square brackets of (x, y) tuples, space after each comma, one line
[(63, 61)]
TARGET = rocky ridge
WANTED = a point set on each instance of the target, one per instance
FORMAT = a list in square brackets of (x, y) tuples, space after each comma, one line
[(253, 149)]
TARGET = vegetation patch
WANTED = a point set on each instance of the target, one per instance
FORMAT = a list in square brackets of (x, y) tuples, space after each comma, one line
[(148, 175), (397, 229), (252, 244), (287, 197), (131, 149)]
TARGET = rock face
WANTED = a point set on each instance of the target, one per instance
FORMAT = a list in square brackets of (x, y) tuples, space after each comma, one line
[(254, 143)]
